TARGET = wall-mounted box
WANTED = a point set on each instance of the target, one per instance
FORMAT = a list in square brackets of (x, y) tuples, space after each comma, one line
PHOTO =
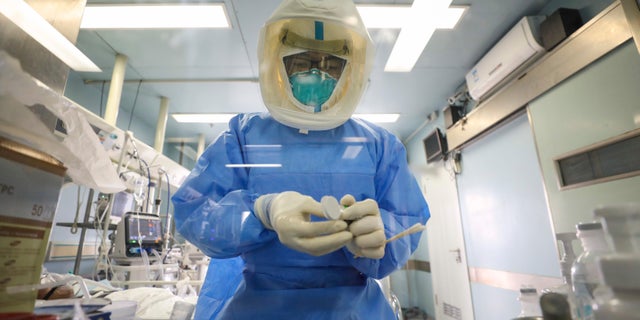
[(559, 26)]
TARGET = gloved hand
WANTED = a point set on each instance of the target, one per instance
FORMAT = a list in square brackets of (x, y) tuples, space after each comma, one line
[(289, 215), (367, 227)]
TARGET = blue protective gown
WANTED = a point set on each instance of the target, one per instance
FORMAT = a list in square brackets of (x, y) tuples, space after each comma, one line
[(257, 156)]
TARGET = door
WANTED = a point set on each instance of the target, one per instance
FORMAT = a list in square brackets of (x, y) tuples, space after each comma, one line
[(452, 292)]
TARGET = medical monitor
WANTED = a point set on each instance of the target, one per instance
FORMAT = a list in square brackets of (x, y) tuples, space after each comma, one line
[(435, 146), (143, 228), (137, 232)]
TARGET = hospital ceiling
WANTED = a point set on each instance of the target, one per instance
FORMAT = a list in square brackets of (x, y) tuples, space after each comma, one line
[(227, 60)]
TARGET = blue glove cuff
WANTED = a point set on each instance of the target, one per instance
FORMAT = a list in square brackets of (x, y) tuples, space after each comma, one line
[(261, 208)]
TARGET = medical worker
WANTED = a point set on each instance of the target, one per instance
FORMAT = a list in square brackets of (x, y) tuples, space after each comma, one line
[(252, 202)]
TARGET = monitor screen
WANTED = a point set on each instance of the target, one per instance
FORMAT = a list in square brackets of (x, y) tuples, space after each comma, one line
[(143, 228), (435, 146)]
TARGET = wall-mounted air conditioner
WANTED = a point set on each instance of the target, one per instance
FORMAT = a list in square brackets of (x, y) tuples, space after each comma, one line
[(516, 50)]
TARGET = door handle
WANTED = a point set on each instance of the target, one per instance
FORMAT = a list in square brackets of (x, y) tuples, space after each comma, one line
[(458, 255)]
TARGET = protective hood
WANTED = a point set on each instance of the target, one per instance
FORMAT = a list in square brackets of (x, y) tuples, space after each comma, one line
[(331, 26)]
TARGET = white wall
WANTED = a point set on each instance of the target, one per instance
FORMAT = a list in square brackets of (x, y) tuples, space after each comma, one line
[(414, 288), (601, 102)]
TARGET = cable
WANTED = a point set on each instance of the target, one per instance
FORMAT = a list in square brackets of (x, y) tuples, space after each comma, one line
[(101, 255), (168, 199), (167, 219), (149, 181), (74, 226), (160, 261), (158, 201), (101, 97), (134, 105), (136, 155)]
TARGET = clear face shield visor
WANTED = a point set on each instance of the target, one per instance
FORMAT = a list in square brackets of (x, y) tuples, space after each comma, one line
[(309, 60), (315, 68), (313, 77)]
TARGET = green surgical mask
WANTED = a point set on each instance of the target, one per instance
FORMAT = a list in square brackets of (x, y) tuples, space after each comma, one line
[(312, 88)]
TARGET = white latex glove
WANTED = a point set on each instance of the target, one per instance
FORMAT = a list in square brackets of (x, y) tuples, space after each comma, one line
[(289, 215), (367, 227)]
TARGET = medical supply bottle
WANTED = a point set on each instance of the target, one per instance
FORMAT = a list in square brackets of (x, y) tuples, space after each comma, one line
[(565, 290), (529, 303), (585, 276), (621, 272), (620, 269)]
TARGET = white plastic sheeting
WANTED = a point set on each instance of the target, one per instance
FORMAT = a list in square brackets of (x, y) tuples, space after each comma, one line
[(153, 303), (80, 150)]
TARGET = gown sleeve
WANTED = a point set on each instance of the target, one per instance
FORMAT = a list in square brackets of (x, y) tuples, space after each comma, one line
[(401, 206), (213, 208)]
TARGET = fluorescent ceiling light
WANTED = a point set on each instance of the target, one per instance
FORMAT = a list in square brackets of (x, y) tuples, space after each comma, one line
[(203, 117), (378, 117), (225, 117), (450, 17), (383, 17), (415, 34), (154, 16), (40, 30), (395, 16)]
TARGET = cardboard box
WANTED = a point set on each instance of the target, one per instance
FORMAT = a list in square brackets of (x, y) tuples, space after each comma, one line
[(30, 184)]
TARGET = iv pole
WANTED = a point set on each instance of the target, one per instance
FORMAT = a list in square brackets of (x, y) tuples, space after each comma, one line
[(104, 252)]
